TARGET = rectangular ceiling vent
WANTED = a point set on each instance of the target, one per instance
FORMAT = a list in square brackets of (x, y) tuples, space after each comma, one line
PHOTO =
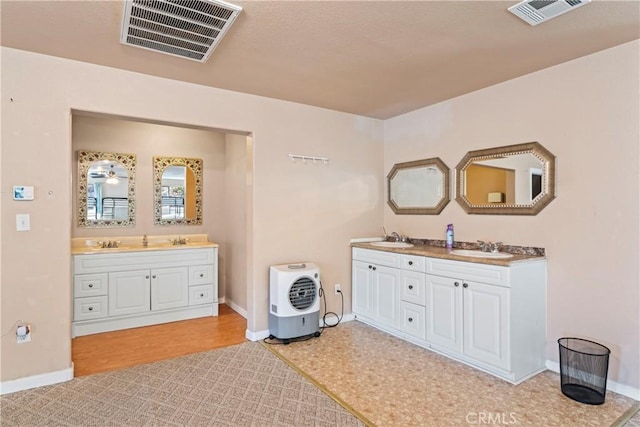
[(535, 12), (189, 29)]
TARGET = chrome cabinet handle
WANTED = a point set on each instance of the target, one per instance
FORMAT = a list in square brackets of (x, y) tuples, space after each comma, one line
[(374, 268), (146, 277), (153, 277), (90, 308), (410, 319), (201, 275), (91, 285), (201, 295), (410, 286), (456, 284), (465, 285), (410, 262)]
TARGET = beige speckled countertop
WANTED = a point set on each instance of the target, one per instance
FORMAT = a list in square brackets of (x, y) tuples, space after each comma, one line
[(439, 252), (91, 245)]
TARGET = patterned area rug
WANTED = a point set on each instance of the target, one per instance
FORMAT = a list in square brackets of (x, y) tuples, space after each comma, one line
[(242, 385), (390, 382)]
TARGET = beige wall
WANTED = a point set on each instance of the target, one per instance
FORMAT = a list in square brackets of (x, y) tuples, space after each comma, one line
[(237, 172), (586, 113), (296, 212)]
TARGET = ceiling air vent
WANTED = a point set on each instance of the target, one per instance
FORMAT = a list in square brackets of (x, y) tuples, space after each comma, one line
[(535, 12), (190, 29)]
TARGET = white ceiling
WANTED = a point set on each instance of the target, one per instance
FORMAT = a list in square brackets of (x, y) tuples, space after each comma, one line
[(372, 58)]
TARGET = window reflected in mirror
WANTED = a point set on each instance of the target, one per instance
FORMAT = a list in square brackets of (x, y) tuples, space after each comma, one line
[(419, 187), (105, 189), (177, 190), (512, 180)]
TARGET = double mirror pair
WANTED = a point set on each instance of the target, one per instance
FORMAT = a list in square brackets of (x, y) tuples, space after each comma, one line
[(512, 180), (106, 190)]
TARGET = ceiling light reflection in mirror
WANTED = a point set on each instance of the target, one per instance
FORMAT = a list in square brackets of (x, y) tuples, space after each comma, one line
[(105, 189)]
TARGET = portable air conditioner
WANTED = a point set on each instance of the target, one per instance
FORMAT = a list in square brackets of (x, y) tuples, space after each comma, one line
[(294, 299), (535, 12)]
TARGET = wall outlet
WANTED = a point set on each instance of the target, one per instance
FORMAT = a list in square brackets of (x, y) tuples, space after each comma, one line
[(337, 290), (23, 334)]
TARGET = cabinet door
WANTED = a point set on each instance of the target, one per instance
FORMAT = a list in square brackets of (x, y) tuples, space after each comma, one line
[(386, 284), (362, 288), (129, 292), (169, 288), (444, 312), (486, 329)]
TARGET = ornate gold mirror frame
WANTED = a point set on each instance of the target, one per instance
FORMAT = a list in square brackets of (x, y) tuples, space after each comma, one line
[(92, 210), (171, 209), (419, 187), (511, 180)]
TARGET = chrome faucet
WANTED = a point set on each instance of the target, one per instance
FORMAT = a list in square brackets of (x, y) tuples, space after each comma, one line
[(489, 246), (396, 237)]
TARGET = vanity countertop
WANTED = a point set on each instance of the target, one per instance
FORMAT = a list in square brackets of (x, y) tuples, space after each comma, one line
[(440, 252), (91, 246)]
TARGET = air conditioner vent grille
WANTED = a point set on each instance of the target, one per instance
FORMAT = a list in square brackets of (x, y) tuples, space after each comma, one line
[(535, 12), (190, 29)]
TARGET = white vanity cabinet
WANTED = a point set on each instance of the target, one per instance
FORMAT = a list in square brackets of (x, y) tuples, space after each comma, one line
[(492, 317), (388, 290), (123, 290)]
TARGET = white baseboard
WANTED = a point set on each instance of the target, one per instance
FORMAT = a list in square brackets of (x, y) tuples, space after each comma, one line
[(34, 381), (235, 307), (259, 335), (622, 389)]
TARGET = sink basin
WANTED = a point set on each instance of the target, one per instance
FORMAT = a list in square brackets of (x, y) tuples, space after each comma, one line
[(480, 254), (392, 244)]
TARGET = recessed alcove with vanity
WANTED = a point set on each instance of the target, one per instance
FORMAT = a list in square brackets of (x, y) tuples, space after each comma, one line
[(128, 280)]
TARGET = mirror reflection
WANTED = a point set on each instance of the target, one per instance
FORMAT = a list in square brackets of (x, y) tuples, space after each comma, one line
[(514, 180), (420, 187), (177, 190), (105, 189)]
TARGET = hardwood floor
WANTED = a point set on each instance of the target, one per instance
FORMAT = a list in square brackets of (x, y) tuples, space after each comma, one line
[(119, 349)]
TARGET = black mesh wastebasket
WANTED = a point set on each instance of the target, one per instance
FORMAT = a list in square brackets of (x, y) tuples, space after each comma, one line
[(583, 370)]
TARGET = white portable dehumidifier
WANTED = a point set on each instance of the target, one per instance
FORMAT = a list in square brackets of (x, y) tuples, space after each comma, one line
[(294, 299)]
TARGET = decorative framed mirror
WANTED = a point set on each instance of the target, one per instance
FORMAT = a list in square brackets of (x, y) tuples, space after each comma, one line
[(106, 193), (512, 180), (420, 187), (177, 191)]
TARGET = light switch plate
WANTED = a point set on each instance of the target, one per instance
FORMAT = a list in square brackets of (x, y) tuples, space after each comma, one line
[(23, 222)]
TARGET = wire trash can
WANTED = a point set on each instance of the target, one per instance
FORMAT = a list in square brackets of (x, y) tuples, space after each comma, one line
[(583, 370)]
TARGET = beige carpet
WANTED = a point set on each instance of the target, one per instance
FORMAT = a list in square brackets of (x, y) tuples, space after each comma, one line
[(242, 385), (389, 382)]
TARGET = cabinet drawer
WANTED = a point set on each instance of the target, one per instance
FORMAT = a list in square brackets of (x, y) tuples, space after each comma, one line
[(201, 294), (413, 320), (200, 275), (484, 273), (412, 288), (90, 285), (388, 259), (413, 263), (89, 308)]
